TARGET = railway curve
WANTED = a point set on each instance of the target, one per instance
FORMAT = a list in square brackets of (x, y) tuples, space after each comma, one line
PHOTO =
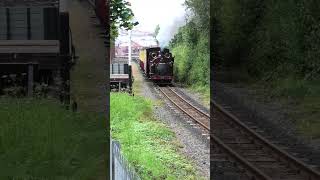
[(259, 158)]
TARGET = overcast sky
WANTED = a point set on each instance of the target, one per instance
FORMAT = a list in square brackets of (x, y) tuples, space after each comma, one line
[(169, 14)]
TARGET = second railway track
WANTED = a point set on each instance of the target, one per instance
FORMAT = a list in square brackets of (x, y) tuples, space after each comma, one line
[(256, 156)]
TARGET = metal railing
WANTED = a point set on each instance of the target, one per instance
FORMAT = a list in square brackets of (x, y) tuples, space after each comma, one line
[(120, 168)]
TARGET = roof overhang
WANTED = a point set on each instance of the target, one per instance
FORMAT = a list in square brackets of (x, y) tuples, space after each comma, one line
[(29, 46)]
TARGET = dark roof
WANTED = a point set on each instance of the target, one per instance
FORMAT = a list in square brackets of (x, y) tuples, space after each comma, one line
[(13, 3)]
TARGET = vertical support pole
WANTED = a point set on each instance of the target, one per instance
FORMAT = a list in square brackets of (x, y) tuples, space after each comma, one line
[(58, 82), (30, 80), (119, 86), (130, 48), (65, 49), (130, 76)]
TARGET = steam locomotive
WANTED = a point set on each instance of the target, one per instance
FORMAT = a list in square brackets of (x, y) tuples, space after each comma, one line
[(157, 64)]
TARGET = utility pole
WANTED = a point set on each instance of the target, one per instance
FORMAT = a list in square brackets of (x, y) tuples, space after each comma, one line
[(129, 48)]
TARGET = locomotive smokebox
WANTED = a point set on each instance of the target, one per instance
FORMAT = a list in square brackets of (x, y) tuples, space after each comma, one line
[(164, 69)]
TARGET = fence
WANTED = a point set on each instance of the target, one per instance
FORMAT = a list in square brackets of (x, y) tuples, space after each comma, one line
[(120, 168)]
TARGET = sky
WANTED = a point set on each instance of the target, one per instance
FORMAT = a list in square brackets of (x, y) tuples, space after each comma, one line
[(169, 14)]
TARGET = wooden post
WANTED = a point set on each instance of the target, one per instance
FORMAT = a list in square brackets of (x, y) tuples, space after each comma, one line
[(65, 50), (30, 80)]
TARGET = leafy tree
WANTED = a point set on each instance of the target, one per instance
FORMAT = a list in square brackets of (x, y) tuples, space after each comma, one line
[(190, 46), (270, 39), (201, 13), (121, 16)]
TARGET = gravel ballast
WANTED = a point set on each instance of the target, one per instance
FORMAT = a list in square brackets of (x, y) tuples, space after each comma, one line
[(193, 144)]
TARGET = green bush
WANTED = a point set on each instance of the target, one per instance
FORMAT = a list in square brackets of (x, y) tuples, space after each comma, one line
[(271, 39), (192, 56)]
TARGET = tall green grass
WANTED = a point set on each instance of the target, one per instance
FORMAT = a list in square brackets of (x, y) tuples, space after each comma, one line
[(147, 143), (302, 96), (299, 98), (204, 91), (39, 139)]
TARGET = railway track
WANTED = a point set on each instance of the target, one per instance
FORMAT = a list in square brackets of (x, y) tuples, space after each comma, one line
[(193, 112), (264, 159), (254, 155)]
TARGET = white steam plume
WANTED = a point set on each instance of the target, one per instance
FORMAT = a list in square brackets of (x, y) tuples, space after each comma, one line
[(167, 31), (169, 14)]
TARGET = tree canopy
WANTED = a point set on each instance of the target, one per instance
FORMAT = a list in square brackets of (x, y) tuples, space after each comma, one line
[(190, 46), (121, 16), (270, 39)]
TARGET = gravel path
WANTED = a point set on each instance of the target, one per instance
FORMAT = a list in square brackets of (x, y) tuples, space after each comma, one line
[(194, 145)]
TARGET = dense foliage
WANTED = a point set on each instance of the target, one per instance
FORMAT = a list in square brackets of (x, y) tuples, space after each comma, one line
[(121, 16), (272, 46), (269, 39), (190, 46)]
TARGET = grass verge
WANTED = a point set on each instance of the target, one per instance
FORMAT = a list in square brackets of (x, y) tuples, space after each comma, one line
[(299, 98), (302, 98), (147, 143), (203, 91), (39, 139)]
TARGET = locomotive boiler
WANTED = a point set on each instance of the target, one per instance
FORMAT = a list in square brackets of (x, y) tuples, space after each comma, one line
[(157, 64)]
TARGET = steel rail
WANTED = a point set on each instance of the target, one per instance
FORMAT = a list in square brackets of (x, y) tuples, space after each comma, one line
[(186, 112), (200, 111), (255, 172), (311, 173)]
